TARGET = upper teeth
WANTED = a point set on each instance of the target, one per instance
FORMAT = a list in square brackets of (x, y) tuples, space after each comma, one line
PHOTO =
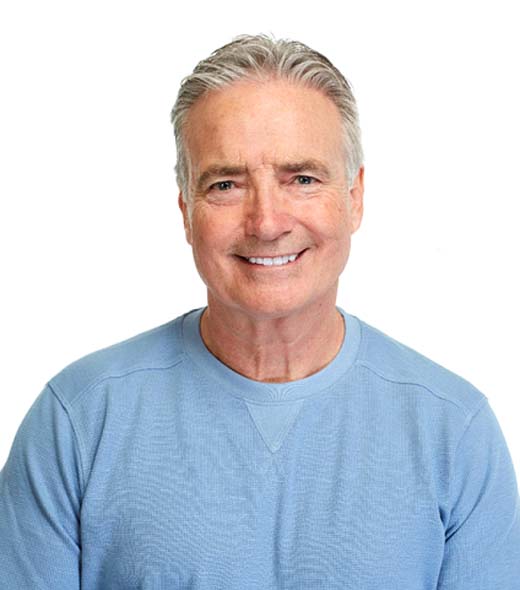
[(277, 260)]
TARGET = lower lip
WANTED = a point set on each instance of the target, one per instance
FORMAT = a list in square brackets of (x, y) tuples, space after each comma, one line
[(272, 266)]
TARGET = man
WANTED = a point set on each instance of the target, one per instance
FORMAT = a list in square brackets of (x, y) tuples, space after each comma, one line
[(270, 439)]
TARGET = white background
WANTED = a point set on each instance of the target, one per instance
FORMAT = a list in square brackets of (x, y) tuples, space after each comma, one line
[(90, 235)]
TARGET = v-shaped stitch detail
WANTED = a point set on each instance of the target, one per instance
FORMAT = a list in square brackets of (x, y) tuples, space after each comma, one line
[(273, 421)]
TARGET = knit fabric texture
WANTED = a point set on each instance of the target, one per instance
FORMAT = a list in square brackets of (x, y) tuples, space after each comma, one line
[(151, 465)]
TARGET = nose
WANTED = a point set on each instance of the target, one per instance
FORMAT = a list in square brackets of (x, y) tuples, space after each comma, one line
[(268, 214)]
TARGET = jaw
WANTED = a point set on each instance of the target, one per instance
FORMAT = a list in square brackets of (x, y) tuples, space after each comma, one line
[(270, 311)]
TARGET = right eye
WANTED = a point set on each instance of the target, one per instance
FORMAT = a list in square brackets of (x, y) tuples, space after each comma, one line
[(222, 185)]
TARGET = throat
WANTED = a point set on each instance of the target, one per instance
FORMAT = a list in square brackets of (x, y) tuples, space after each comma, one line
[(270, 356)]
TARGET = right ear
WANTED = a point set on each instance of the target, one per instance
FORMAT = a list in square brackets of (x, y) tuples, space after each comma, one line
[(185, 218)]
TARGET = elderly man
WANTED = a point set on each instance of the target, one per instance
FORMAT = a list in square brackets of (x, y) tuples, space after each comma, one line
[(269, 440)]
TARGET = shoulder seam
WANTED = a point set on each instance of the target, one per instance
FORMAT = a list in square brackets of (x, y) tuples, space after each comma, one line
[(468, 422), (434, 392), (106, 377), (79, 442)]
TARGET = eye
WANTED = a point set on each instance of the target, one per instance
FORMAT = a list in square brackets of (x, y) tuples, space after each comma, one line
[(302, 179), (222, 185)]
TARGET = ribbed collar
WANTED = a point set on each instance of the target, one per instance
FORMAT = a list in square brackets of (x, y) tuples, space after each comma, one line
[(250, 389)]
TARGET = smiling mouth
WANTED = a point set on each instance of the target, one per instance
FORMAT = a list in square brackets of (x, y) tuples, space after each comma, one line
[(273, 261)]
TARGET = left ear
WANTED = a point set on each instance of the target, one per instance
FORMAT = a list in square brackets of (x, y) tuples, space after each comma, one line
[(355, 195)]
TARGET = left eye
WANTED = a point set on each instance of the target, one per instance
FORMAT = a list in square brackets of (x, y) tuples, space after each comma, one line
[(222, 185), (301, 179)]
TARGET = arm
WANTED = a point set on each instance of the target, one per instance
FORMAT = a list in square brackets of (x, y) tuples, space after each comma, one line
[(482, 547), (40, 502)]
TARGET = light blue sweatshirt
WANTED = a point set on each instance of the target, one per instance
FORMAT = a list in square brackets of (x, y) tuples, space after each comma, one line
[(151, 465)]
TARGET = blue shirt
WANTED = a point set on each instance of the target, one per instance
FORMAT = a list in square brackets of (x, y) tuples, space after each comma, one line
[(152, 465)]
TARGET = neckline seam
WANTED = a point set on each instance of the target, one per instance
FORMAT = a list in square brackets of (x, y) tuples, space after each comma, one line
[(234, 390)]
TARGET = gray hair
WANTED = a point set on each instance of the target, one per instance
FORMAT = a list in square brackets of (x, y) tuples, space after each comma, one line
[(260, 57)]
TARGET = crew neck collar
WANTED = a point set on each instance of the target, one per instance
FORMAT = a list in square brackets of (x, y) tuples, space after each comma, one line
[(244, 387)]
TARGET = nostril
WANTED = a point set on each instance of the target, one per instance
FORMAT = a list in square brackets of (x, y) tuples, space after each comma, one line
[(270, 227)]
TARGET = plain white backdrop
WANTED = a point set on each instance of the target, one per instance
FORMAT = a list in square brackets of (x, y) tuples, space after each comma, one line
[(91, 239)]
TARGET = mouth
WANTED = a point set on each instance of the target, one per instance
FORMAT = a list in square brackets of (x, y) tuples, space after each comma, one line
[(272, 261)]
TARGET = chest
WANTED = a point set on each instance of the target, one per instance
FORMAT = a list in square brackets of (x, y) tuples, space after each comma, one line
[(216, 508)]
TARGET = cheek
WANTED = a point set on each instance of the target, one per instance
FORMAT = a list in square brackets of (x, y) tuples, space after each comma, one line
[(330, 223), (211, 242), (334, 234)]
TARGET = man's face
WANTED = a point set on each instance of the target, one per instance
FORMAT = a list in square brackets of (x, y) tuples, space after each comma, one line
[(268, 181)]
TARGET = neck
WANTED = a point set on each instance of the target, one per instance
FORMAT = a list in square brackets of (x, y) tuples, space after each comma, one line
[(277, 349)]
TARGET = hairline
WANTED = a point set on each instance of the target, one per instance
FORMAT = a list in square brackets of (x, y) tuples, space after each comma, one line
[(260, 58)]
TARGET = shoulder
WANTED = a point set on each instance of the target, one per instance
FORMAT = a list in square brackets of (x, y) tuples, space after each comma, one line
[(390, 360), (157, 349)]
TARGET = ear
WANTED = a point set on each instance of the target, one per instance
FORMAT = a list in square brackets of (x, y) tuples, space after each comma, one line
[(185, 218), (355, 196)]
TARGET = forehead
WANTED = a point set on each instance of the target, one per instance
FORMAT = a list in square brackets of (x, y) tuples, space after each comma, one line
[(260, 123)]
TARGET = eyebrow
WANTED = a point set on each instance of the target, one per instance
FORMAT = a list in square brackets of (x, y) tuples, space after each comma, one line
[(310, 165), (215, 171)]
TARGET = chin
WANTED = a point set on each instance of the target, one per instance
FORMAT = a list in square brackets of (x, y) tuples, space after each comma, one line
[(272, 308)]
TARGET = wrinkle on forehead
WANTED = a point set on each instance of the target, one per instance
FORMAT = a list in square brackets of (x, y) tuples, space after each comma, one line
[(259, 126)]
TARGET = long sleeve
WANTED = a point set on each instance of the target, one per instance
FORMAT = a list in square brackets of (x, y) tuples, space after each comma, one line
[(40, 502), (482, 547)]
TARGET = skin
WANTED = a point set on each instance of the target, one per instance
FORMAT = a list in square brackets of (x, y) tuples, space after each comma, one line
[(275, 323)]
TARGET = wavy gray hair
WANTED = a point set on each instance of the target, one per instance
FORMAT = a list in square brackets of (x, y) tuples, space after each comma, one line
[(260, 57)]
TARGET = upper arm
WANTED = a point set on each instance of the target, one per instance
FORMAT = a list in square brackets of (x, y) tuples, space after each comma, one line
[(482, 546), (40, 501)]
